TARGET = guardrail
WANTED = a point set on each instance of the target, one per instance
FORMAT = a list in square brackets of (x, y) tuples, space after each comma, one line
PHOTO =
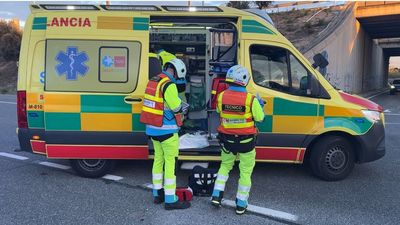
[(373, 3)]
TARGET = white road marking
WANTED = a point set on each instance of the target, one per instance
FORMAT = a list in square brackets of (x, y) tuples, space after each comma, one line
[(392, 114), (112, 177), (387, 111), (9, 155), (147, 186), (264, 211), (392, 123), (191, 165), (55, 165), (13, 103)]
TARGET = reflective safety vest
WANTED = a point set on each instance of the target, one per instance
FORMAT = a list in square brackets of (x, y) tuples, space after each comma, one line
[(165, 57), (235, 113), (153, 104)]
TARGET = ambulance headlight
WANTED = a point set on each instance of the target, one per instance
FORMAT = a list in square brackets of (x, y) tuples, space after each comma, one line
[(373, 116)]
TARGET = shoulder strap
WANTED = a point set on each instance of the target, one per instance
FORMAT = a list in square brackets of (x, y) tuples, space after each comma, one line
[(251, 101), (165, 86)]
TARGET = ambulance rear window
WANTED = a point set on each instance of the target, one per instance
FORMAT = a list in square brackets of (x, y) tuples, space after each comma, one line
[(92, 66)]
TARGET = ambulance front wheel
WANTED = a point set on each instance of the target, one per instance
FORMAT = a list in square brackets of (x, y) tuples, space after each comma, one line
[(92, 168), (332, 158)]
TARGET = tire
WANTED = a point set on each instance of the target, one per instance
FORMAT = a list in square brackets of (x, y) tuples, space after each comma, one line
[(332, 158), (92, 168)]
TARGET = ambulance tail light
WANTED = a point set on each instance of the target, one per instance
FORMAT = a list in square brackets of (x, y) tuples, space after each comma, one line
[(21, 109)]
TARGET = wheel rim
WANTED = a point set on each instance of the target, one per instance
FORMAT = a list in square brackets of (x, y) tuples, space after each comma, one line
[(92, 164), (336, 158)]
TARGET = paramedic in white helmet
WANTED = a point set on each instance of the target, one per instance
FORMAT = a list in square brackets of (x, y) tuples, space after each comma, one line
[(238, 111), (162, 113)]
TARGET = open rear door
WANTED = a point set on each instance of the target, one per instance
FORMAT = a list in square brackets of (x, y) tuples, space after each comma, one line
[(90, 70)]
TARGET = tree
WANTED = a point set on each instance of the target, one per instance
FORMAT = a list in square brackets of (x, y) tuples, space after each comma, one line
[(262, 4), (239, 4), (10, 41)]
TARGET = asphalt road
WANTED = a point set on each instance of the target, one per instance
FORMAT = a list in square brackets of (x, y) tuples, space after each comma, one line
[(31, 193)]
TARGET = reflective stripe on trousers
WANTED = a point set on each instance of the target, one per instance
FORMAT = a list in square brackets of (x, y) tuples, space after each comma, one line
[(164, 160), (246, 166), (157, 181), (220, 182)]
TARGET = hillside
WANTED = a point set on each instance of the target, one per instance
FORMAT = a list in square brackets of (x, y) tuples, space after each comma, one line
[(8, 77), (294, 26)]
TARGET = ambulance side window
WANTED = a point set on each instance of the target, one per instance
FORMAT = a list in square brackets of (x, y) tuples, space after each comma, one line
[(275, 68), (270, 67)]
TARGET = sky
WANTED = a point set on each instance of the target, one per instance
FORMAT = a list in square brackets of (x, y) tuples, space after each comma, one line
[(394, 62)]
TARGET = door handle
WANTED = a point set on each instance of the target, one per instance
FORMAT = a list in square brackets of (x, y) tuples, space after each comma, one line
[(132, 100)]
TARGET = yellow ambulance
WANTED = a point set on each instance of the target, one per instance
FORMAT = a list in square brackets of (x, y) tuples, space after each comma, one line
[(83, 70)]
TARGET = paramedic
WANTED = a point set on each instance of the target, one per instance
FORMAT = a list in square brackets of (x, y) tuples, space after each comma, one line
[(237, 134), (162, 114)]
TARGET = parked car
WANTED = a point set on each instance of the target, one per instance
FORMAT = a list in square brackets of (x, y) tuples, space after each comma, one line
[(394, 86)]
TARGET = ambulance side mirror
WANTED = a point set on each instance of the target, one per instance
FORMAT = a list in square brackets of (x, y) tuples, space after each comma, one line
[(320, 61)]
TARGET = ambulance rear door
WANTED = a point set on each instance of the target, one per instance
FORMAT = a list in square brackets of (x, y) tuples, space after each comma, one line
[(94, 59)]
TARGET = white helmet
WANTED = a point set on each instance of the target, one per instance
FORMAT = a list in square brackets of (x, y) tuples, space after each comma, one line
[(238, 75), (179, 66)]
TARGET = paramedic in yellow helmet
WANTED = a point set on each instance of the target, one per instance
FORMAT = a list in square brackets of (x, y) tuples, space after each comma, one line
[(162, 113), (238, 111), (165, 56)]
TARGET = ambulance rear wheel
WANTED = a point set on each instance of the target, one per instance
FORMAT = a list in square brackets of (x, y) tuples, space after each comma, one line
[(92, 168), (332, 158)]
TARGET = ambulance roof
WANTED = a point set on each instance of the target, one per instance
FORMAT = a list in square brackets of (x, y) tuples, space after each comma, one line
[(152, 10)]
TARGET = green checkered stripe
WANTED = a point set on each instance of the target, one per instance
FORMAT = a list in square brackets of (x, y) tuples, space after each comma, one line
[(252, 26), (115, 104), (39, 23), (68, 121), (283, 107), (140, 23)]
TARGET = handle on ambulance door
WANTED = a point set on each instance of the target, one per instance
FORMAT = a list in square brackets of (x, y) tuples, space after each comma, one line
[(131, 100)]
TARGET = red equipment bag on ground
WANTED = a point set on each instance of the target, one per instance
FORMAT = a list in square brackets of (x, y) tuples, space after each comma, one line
[(184, 194), (218, 85)]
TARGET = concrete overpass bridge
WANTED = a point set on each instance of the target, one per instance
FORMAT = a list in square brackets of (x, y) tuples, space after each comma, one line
[(358, 45)]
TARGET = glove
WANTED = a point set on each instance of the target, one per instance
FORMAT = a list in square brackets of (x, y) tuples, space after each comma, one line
[(260, 100), (185, 107)]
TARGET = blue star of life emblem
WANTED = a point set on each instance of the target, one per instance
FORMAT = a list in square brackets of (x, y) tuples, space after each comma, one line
[(72, 63), (107, 61)]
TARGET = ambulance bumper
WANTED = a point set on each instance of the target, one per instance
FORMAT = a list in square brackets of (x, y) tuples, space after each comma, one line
[(372, 144), (24, 137)]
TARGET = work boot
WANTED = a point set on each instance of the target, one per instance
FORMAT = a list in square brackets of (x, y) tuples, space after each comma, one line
[(160, 196), (177, 205), (240, 210), (216, 200)]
